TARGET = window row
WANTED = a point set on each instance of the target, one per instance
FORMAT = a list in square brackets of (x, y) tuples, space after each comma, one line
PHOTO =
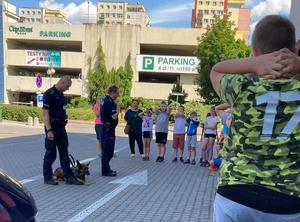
[(206, 21), (113, 7), (28, 12), (112, 15), (208, 3), (212, 12), (32, 19)]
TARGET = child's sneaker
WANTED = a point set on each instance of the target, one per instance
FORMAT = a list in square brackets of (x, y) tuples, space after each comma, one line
[(181, 160), (174, 160), (213, 168), (158, 159), (193, 162), (161, 159), (132, 155), (187, 161)]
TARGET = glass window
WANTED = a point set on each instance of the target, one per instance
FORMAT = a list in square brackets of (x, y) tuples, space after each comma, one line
[(101, 6), (28, 12), (206, 12), (212, 21), (114, 7), (207, 3), (200, 12), (128, 16), (214, 3), (28, 19), (38, 20), (107, 15), (39, 12), (47, 21), (32, 20), (108, 6), (221, 3), (120, 7), (113, 15), (120, 16), (200, 2), (22, 12), (206, 21), (213, 12)]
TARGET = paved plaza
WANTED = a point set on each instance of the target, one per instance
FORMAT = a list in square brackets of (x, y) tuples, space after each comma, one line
[(142, 191)]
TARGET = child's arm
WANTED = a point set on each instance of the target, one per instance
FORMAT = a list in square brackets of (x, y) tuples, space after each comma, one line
[(266, 66), (221, 108), (141, 115)]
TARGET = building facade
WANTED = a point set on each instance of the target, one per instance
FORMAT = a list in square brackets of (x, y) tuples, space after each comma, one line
[(295, 16), (122, 13), (158, 61), (32, 15), (55, 17), (2, 86), (205, 10)]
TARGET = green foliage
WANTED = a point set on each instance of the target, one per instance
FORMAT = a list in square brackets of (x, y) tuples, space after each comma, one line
[(81, 114), (125, 103), (99, 79), (200, 108), (217, 44), (177, 88), (79, 102), (20, 113)]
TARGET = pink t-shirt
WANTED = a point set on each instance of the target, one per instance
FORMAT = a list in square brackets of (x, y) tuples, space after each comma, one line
[(96, 109)]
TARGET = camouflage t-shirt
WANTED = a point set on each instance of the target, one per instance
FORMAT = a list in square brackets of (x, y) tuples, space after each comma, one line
[(263, 147)]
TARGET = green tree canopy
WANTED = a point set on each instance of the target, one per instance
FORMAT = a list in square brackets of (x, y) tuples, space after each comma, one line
[(177, 88), (217, 44)]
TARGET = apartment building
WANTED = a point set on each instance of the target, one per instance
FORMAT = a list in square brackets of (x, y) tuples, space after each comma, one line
[(205, 10), (122, 13), (10, 12), (42, 15)]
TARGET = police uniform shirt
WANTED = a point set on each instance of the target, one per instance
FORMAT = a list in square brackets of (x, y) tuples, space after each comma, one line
[(109, 108), (55, 102)]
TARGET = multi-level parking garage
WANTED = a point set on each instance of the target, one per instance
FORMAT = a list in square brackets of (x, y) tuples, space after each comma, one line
[(160, 57)]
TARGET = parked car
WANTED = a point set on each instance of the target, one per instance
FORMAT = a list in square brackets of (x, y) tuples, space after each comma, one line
[(16, 202)]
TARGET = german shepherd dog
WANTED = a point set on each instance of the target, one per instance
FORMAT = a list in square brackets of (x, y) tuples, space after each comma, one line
[(80, 170)]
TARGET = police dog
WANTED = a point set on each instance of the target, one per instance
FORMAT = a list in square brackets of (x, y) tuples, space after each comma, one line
[(80, 171)]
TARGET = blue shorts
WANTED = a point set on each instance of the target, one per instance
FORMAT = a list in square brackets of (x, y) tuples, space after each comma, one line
[(98, 129), (217, 162)]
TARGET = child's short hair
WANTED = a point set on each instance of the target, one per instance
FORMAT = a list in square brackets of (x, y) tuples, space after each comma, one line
[(181, 106), (273, 33), (163, 103), (194, 113)]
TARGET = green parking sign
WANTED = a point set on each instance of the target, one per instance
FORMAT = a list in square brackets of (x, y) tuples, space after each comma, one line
[(148, 63)]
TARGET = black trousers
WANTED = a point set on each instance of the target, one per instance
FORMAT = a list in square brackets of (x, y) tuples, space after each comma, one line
[(108, 147), (138, 137), (61, 143)]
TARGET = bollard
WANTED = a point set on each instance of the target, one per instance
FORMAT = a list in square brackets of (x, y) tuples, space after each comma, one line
[(30, 121), (36, 121)]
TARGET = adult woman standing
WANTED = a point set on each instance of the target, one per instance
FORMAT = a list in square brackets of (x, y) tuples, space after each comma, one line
[(210, 134), (98, 124), (134, 123)]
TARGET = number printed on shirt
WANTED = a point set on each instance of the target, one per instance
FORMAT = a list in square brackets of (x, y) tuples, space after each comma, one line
[(272, 99)]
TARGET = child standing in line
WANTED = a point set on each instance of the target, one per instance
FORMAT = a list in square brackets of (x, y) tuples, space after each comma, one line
[(98, 124), (161, 132), (179, 133), (191, 139), (147, 127)]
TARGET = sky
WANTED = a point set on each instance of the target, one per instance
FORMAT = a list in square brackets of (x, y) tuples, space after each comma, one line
[(163, 13)]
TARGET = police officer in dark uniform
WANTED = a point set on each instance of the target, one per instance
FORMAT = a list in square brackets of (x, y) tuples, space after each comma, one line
[(55, 119), (109, 117)]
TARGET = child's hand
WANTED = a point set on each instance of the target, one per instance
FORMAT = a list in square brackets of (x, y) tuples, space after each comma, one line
[(291, 63), (268, 65)]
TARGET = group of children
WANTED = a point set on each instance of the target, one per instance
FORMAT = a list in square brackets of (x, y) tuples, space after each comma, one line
[(184, 134)]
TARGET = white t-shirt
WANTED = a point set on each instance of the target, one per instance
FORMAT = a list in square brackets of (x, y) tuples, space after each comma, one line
[(147, 125), (211, 121), (179, 125)]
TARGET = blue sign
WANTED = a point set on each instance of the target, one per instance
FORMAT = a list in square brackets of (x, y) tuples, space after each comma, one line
[(39, 80), (1, 56), (40, 100)]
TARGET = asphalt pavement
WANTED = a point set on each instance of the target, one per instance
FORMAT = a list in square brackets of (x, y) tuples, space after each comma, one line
[(142, 191)]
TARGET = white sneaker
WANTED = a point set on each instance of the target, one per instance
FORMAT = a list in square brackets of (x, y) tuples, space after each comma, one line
[(132, 155)]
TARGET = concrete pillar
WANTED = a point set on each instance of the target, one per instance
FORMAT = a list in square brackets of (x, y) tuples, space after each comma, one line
[(36, 121), (30, 121)]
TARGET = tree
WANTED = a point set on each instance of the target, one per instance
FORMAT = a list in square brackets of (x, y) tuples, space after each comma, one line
[(128, 74), (177, 88), (216, 45), (98, 80)]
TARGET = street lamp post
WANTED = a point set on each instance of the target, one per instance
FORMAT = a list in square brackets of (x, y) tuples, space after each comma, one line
[(50, 72)]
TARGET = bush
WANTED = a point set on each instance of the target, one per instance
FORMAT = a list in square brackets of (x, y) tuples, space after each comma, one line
[(20, 113), (81, 114), (79, 102)]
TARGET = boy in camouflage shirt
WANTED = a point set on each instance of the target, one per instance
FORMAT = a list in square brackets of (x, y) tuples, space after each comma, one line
[(260, 173)]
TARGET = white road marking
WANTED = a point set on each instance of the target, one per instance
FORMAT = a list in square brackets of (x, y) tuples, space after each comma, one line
[(38, 177), (139, 178), (12, 144)]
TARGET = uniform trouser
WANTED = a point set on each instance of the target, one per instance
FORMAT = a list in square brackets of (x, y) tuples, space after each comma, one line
[(138, 137), (61, 142), (108, 148), (226, 210)]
